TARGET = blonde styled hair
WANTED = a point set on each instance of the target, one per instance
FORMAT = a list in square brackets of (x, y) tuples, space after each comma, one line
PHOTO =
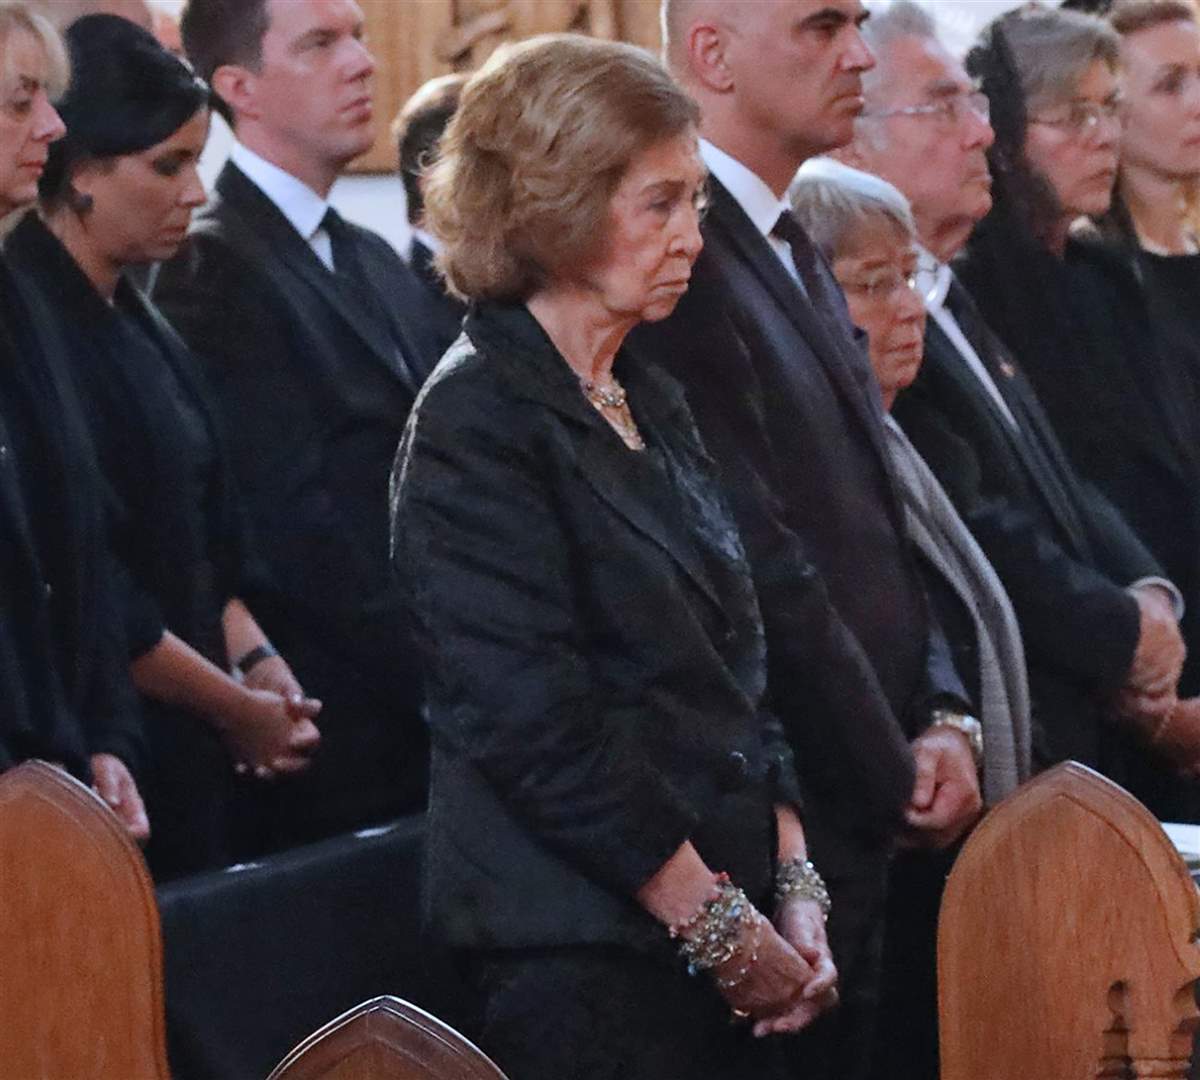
[(17, 19), (544, 133)]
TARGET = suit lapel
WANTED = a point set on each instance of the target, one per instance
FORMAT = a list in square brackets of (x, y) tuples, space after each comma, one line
[(828, 342), (1055, 498), (280, 249)]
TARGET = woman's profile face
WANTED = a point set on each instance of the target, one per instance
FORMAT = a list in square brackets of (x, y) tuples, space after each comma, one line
[(875, 269), (1075, 144), (1161, 108), (653, 233), (28, 123), (141, 204)]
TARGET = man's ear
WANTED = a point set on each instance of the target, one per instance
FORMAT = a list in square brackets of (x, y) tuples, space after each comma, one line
[(237, 86), (706, 48)]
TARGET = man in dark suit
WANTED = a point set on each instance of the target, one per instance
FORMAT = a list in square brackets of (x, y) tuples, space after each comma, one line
[(1099, 622), (417, 128), (300, 320), (786, 402)]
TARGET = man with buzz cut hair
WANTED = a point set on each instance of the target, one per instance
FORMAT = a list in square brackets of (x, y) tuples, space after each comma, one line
[(784, 396), (302, 321)]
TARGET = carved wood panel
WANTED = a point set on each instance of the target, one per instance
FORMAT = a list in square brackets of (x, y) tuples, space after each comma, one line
[(414, 40)]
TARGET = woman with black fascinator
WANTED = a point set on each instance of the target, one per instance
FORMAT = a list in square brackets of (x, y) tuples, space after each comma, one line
[(1073, 310), (118, 191)]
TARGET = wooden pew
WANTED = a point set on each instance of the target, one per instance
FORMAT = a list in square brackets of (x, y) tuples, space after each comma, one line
[(1067, 940), (81, 969), (386, 1039)]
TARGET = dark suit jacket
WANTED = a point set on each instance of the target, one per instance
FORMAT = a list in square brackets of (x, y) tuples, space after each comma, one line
[(63, 662), (596, 663), (314, 379), (442, 312), (1062, 551), (786, 402)]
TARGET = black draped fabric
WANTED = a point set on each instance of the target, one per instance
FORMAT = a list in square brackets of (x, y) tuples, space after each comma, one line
[(1124, 410), (175, 523), (63, 666)]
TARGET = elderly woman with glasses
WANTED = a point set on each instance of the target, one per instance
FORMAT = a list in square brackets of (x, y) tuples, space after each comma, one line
[(865, 228), (1074, 313)]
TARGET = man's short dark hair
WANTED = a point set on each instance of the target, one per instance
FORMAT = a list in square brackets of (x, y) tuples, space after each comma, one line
[(417, 129), (220, 32)]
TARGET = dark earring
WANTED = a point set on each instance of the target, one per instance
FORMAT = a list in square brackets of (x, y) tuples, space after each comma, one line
[(79, 202)]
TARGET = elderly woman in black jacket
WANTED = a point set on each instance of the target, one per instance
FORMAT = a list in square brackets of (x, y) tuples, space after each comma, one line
[(608, 790), (66, 692), (118, 191)]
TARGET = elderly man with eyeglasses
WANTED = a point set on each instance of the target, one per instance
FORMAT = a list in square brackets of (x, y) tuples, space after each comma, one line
[(1099, 622)]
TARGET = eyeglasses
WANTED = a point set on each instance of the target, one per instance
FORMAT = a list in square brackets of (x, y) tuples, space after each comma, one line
[(883, 285), (1083, 118), (949, 111)]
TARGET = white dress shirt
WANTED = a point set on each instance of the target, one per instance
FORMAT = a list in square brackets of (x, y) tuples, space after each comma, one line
[(302, 206), (752, 194), (934, 280)]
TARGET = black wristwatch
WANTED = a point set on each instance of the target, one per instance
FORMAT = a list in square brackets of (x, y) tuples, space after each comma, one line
[(255, 656)]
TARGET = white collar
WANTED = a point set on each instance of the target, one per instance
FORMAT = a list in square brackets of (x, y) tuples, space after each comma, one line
[(749, 189), (933, 279), (302, 206)]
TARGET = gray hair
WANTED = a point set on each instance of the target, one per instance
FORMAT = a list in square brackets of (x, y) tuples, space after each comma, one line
[(899, 20), (1052, 49), (834, 201)]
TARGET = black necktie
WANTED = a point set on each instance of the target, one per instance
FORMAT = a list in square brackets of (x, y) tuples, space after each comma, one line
[(344, 244), (804, 257)]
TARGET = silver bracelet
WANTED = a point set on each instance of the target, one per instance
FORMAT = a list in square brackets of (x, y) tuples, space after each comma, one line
[(713, 936), (799, 878)]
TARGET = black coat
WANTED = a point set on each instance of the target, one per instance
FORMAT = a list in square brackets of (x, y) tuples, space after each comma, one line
[(1063, 552), (785, 400), (176, 526), (63, 662), (314, 377), (596, 664), (442, 314)]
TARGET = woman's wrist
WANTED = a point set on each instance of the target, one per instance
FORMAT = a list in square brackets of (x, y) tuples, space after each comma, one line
[(679, 888)]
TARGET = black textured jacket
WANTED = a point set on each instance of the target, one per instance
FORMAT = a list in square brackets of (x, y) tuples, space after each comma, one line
[(596, 662)]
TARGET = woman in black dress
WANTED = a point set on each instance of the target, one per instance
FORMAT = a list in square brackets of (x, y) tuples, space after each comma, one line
[(63, 671), (1072, 308), (119, 190), (605, 775)]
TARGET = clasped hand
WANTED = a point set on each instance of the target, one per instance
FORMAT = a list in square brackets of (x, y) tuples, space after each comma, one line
[(273, 730), (792, 981), (1150, 692), (946, 799)]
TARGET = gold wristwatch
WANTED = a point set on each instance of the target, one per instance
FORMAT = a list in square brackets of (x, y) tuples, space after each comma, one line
[(965, 723)]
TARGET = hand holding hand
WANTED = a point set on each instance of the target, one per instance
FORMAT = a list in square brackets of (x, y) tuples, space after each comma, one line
[(270, 733), (801, 923), (273, 673), (766, 979), (1160, 653), (946, 799), (115, 785)]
